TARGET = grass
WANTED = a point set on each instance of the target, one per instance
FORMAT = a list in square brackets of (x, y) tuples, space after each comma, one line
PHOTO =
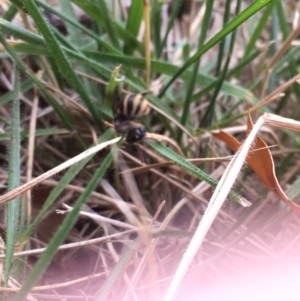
[(139, 221)]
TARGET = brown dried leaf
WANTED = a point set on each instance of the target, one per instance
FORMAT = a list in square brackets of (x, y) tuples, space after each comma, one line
[(261, 161)]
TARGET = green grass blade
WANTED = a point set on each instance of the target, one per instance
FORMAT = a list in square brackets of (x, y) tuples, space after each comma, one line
[(156, 24), (284, 24), (61, 185), (39, 133), (77, 40), (238, 20), (64, 117), (10, 13), (232, 72), (256, 34), (171, 22), (18, 3), (222, 43), (88, 32), (190, 89), (200, 174), (273, 49), (21, 33), (105, 14), (93, 59), (133, 24), (135, 17), (208, 116), (61, 234), (14, 165), (66, 7), (60, 58), (25, 48), (27, 85), (285, 28), (92, 10), (117, 271)]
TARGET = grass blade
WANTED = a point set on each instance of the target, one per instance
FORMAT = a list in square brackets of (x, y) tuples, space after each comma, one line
[(93, 59), (13, 207), (174, 13), (190, 89), (88, 32), (60, 57), (238, 20), (65, 180), (207, 118), (165, 151), (259, 28), (10, 13), (63, 230), (92, 10), (104, 12), (64, 117), (116, 272), (134, 21)]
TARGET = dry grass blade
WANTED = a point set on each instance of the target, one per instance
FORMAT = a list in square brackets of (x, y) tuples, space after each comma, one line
[(229, 177), (162, 138), (98, 218), (31, 143), (54, 286), (138, 170), (168, 179), (275, 94), (278, 55), (282, 122), (75, 244), (14, 193)]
